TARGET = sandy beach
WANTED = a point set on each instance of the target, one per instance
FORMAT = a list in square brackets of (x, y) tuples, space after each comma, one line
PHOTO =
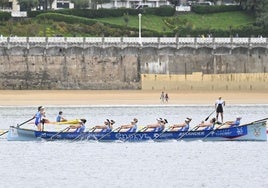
[(123, 97)]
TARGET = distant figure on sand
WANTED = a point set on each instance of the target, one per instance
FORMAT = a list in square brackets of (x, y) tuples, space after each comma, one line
[(219, 108), (166, 98), (162, 97), (60, 117)]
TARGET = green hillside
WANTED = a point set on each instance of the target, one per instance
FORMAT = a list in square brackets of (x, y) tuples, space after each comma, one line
[(126, 25)]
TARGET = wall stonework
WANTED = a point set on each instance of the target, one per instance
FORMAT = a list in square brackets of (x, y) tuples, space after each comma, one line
[(55, 63)]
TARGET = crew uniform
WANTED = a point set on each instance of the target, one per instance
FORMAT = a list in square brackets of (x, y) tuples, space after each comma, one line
[(219, 104)]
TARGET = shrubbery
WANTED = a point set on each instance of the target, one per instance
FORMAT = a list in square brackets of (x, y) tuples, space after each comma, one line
[(199, 9), (102, 13), (4, 16)]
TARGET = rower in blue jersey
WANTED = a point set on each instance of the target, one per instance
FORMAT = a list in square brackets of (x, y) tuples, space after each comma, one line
[(60, 117), (204, 125), (107, 127), (40, 118), (157, 127), (132, 127), (80, 128), (181, 126), (234, 123)]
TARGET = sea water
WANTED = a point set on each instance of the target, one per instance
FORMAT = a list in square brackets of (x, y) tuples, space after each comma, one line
[(147, 164)]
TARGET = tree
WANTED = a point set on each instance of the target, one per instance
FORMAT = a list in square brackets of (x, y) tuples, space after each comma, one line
[(247, 4), (262, 14), (3, 3), (27, 5)]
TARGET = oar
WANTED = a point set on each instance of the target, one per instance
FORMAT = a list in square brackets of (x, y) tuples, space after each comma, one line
[(143, 129), (259, 120), (18, 125), (210, 115), (213, 130), (75, 121), (193, 129), (67, 128), (109, 133), (162, 133), (83, 134)]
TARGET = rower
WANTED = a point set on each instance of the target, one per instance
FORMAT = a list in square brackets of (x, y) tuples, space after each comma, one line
[(103, 128), (207, 125), (182, 126), (80, 127), (158, 127), (132, 127), (229, 124), (60, 117), (40, 118)]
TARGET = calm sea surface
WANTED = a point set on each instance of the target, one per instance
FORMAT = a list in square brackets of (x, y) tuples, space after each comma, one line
[(147, 164)]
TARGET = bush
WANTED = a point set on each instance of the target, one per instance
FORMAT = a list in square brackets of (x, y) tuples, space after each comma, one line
[(4, 16), (103, 13), (66, 18), (214, 9)]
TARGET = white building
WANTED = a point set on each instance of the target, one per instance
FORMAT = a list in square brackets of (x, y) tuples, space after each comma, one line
[(58, 4), (133, 3)]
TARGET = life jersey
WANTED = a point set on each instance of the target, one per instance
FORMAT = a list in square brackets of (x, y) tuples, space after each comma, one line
[(38, 118), (58, 118), (159, 129), (185, 128), (80, 129), (132, 129), (208, 128), (107, 129), (235, 124)]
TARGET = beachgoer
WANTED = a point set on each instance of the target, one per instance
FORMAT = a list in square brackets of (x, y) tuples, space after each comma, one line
[(162, 97), (157, 127), (60, 117), (182, 126), (166, 98), (40, 118), (204, 125), (132, 127), (80, 127), (103, 128), (219, 108)]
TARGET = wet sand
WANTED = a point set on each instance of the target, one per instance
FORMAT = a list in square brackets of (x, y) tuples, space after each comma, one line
[(123, 97)]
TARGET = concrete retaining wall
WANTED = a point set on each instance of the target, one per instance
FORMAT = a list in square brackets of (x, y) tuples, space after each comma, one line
[(117, 63)]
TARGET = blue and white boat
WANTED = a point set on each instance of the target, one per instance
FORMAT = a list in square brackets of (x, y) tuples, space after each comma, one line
[(255, 131)]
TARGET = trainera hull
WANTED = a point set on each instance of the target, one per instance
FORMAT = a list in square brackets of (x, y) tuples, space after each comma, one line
[(250, 132)]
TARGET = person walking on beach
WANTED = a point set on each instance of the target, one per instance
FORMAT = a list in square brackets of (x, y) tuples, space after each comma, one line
[(166, 98), (162, 97), (219, 108)]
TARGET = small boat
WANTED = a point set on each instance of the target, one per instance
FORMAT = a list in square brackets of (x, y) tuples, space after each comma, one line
[(255, 131)]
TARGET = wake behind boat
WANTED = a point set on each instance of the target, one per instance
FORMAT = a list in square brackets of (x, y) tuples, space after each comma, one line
[(255, 131)]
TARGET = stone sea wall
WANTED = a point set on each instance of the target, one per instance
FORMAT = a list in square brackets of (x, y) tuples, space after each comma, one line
[(132, 63)]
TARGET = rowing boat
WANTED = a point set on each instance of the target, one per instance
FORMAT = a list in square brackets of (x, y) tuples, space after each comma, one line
[(255, 131)]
